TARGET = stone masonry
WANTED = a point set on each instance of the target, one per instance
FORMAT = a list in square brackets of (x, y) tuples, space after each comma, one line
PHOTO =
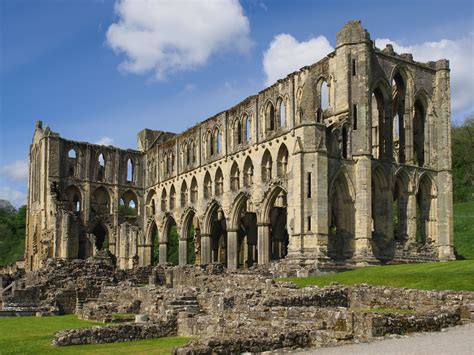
[(344, 163)]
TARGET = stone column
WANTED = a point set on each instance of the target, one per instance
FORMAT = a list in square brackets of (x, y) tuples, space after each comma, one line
[(183, 252), (163, 253), (411, 218), (263, 243), (232, 249), (65, 237), (205, 249), (363, 210)]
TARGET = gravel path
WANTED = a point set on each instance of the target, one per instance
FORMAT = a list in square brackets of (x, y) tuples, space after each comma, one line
[(457, 340)]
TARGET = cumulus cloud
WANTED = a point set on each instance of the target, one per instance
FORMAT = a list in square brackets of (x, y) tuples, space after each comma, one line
[(459, 52), (105, 141), (17, 171), (285, 55), (165, 36), (16, 198)]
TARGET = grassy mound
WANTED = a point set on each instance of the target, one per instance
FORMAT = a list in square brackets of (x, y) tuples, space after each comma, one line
[(464, 229), (33, 335), (454, 275)]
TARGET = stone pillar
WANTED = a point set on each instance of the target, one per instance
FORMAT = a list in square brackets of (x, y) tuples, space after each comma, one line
[(263, 243), (232, 249), (411, 218), (65, 237), (443, 231), (163, 253), (205, 249), (363, 210), (183, 252)]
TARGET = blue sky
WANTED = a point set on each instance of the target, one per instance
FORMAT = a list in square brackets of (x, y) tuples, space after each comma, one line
[(82, 67)]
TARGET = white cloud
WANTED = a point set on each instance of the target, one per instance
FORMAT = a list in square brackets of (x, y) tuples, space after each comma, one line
[(105, 141), (285, 55), (165, 36), (18, 171), (16, 198), (460, 54)]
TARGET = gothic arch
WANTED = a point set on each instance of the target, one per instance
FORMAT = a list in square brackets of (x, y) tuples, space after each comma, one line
[(100, 201), (267, 166), (73, 198), (248, 172), (234, 177), (341, 239), (219, 182), (282, 161)]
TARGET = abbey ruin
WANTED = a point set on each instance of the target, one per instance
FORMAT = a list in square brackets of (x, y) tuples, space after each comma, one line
[(346, 162)]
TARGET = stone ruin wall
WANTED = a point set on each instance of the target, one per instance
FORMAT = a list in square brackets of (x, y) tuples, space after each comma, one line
[(290, 173)]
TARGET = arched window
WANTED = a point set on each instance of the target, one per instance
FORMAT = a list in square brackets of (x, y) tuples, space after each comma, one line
[(282, 106), (235, 177), (189, 154), (128, 204), (267, 166), (130, 170), (419, 134), (71, 162), (237, 132), (172, 198), (398, 111), (210, 140), (71, 154), (219, 182), (344, 142), (194, 190), (101, 167), (184, 194), (270, 116), (217, 135), (248, 172), (164, 199), (324, 96), (282, 168), (248, 128), (207, 185)]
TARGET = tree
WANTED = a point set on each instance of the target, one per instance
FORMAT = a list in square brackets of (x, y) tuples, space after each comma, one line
[(463, 160)]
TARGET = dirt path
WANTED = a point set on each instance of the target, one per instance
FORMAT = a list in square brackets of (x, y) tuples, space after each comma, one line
[(457, 340)]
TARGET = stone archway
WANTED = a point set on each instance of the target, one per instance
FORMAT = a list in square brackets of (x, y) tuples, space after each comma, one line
[(341, 242), (190, 240), (214, 238), (242, 238), (169, 244), (383, 244), (272, 228)]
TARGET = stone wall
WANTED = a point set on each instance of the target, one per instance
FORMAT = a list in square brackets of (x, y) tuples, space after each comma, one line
[(115, 333)]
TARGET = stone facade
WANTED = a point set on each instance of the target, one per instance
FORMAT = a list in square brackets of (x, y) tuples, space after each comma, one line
[(346, 162)]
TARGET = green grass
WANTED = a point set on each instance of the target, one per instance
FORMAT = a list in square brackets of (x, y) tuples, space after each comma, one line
[(464, 229), (453, 275), (123, 315), (33, 335)]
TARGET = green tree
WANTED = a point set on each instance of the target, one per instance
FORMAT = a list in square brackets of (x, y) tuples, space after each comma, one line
[(463, 160), (12, 235)]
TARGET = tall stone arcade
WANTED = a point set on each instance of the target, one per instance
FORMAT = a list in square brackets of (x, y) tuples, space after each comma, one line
[(346, 162)]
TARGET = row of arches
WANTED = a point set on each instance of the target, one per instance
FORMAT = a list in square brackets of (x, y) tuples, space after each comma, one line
[(275, 116), (214, 186), (400, 215), (99, 166), (399, 120), (233, 241), (100, 203)]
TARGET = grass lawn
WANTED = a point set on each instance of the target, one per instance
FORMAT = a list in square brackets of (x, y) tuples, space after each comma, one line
[(464, 229), (33, 335), (453, 275)]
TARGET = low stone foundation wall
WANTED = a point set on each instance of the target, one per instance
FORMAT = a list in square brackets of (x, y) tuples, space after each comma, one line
[(254, 344), (115, 333)]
